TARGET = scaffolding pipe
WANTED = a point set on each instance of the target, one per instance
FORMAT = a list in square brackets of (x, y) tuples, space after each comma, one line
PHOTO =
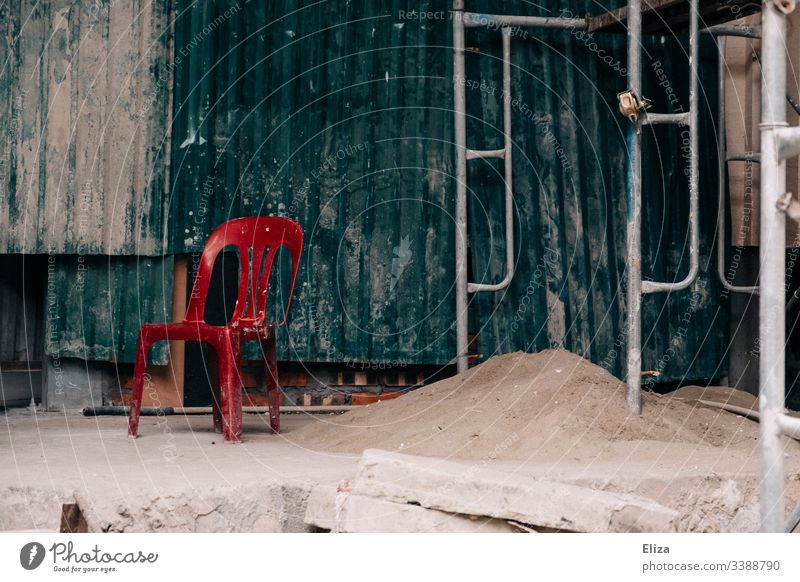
[(723, 158), (744, 157), (772, 332), (460, 123), (694, 162), (507, 174), (636, 287), (665, 118), (788, 140), (789, 425), (462, 20), (741, 30), (485, 154), (476, 20), (634, 215)]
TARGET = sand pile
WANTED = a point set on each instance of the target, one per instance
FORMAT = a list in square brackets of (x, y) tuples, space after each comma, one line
[(523, 406), (718, 394)]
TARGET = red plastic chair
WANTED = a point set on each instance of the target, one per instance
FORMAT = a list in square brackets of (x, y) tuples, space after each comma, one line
[(258, 240)]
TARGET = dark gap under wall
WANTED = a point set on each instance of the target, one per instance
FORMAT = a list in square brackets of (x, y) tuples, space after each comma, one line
[(22, 335)]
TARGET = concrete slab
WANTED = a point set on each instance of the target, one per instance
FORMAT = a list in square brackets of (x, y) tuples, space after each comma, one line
[(713, 489), (332, 509), (324, 507), (178, 476), (466, 488)]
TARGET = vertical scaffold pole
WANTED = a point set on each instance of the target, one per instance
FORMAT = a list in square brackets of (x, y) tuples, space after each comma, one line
[(772, 324), (460, 122), (634, 215)]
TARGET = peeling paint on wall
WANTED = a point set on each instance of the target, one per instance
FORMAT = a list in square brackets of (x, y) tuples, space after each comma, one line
[(87, 84)]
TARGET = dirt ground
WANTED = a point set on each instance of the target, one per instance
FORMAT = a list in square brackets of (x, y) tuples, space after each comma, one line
[(555, 416), (533, 406)]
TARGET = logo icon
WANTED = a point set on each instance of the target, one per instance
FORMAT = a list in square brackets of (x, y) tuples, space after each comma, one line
[(31, 555)]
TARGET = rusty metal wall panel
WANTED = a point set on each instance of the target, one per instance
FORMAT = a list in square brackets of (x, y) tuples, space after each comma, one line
[(340, 114), (84, 103)]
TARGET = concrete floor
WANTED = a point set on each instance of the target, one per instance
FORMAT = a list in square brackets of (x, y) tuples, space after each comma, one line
[(180, 476), (177, 476)]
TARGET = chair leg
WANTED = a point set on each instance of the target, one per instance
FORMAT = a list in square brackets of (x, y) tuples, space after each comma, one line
[(214, 381), (274, 395), (139, 373), (230, 385)]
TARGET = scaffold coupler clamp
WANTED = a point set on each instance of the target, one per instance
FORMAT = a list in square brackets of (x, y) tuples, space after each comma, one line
[(785, 6), (789, 205), (630, 106)]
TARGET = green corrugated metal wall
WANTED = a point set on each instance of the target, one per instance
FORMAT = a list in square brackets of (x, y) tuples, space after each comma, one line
[(291, 88), (94, 305), (84, 135), (339, 114), (569, 180)]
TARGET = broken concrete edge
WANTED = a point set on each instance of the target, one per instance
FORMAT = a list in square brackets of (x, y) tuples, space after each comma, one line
[(32, 508), (267, 507), (332, 509), (53, 511), (324, 507), (467, 488)]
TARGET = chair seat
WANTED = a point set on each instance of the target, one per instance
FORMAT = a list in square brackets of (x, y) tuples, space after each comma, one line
[(201, 331)]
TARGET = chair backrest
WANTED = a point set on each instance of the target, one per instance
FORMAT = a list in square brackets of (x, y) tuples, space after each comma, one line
[(258, 240)]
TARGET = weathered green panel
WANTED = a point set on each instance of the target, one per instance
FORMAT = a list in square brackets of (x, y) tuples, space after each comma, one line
[(339, 114), (569, 181), (84, 102), (94, 305), (335, 114)]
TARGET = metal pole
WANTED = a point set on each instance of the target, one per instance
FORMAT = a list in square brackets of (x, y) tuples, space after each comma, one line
[(505, 153), (665, 118), (722, 160), (634, 217), (694, 143), (460, 122), (694, 164), (475, 20), (508, 166), (742, 30), (743, 157), (462, 19), (773, 241)]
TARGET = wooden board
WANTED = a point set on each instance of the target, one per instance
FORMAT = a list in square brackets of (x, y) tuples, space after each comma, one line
[(167, 381)]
